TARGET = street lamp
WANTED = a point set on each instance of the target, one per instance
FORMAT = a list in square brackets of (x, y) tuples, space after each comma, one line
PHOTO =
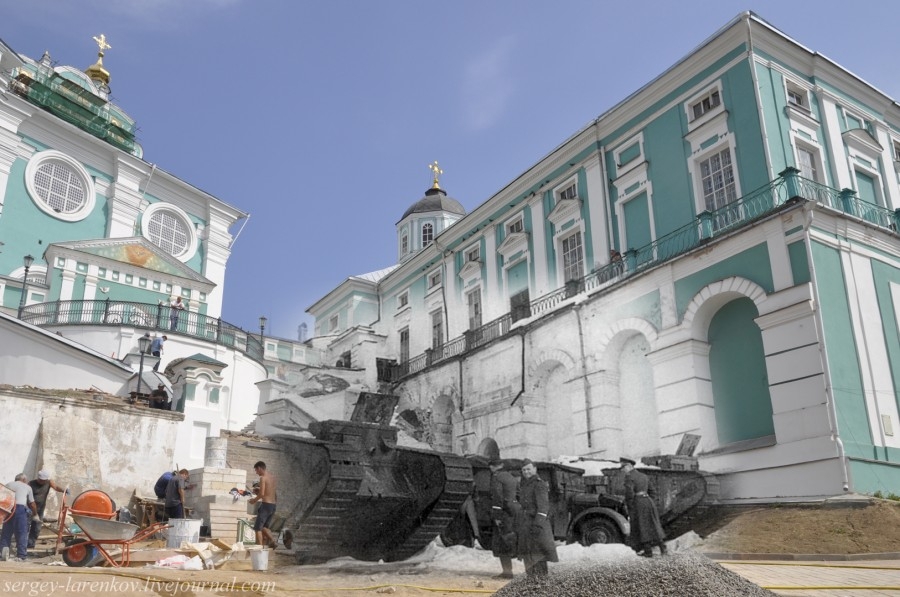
[(143, 347), (262, 327), (27, 261)]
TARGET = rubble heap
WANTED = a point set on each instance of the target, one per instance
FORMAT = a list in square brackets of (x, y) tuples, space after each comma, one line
[(679, 575)]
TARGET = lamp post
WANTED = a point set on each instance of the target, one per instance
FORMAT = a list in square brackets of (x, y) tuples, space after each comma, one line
[(26, 261), (262, 327), (143, 347)]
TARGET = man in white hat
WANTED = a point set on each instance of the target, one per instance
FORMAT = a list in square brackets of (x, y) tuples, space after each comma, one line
[(41, 488)]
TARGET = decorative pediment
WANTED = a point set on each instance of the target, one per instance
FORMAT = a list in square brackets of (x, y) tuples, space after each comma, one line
[(802, 116), (565, 210), (470, 271), (862, 140), (137, 252), (512, 244)]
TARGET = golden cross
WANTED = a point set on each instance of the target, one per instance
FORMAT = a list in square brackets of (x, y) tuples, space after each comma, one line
[(437, 172), (101, 42)]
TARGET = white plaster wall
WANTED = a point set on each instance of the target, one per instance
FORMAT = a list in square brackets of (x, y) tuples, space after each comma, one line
[(86, 444)]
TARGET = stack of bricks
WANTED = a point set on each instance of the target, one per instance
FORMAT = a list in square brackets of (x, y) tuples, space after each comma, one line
[(210, 499)]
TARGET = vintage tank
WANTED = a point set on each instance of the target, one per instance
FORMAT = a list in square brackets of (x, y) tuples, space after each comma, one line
[(362, 495)]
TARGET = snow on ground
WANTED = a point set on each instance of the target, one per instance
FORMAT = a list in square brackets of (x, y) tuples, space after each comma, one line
[(436, 557)]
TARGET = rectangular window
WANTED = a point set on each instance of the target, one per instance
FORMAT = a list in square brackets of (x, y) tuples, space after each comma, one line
[(402, 299), (515, 226), (473, 254), (404, 245), (807, 164), (706, 104), (520, 305), (474, 301), (437, 329), (897, 151), (717, 180), (427, 235), (404, 345), (333, 323), (434, 279), (570, 192), (573, 257), (795, 98)]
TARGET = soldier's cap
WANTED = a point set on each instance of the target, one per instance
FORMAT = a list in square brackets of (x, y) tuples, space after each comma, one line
[(624, 460), (526, 462)]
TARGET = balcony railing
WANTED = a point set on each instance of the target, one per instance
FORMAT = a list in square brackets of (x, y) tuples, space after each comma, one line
[(710, 224), (144, 316)]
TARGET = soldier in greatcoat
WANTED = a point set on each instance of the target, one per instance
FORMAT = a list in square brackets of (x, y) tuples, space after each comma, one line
[(504, 511), (646, 530), (536, 544)]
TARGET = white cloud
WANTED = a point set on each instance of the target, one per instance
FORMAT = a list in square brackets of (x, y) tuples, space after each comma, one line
[(488, 85)]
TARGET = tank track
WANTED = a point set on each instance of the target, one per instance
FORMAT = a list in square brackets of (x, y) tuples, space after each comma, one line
[(701, 515), (457, 487), (329, 528)]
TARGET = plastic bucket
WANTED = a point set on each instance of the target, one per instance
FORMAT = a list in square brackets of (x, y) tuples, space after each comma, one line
[(183, 529), (259, 559)]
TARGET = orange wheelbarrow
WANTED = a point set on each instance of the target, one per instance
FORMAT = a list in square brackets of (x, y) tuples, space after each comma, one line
[(99, 532)]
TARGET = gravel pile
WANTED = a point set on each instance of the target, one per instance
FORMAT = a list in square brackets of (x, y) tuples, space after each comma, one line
[(681, 575)]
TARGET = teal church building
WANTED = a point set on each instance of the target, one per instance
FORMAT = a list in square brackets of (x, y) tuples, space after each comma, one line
[(717, 255), (97, 244)]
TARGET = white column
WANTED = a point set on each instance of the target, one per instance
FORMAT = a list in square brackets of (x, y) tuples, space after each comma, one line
[(832, 129), (539, 227), (67, 286), (597, 203)]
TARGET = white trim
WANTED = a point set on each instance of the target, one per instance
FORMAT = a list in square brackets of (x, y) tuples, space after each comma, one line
[(708, 91), (628, 144), (39, 159), (191, 247), (559, 237), (725, 141)]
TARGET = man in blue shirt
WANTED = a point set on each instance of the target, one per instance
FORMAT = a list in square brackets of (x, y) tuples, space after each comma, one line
[(156, 349), (160, 488)]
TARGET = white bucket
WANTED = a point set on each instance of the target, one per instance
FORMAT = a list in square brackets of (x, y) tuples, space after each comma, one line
[(259, 559), (183, 529)]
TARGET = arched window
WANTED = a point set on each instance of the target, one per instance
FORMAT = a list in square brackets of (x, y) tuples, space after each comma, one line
[(427, 235)]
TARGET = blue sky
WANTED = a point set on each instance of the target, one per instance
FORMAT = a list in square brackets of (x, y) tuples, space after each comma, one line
[(320, 118)]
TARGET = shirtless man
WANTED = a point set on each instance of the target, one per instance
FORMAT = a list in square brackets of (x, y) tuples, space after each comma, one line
[(266, 495)]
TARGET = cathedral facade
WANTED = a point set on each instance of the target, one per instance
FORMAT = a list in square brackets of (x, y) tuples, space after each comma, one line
[(716, 255)]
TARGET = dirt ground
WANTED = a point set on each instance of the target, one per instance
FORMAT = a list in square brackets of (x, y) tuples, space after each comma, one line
[(854, 528), (873, 528)]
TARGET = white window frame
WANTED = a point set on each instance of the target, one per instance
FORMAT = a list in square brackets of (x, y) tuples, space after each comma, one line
[(430, 228), (333, 323), (515, 224), (430, 283), (403, 300), (875, 175), (561, 192), (560, 256), (87, 183), (629, 187), (404, 244), (816, 153), (436, 318), (400, 343), (709, 114), (794, 89), (623, 168), (725, 141), (468, 304), (473, 254), (191, 245)]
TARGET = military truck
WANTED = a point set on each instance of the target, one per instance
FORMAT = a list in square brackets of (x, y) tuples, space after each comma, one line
[(591, 509)]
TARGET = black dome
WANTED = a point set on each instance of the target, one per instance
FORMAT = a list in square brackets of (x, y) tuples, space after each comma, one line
[(435, 200)]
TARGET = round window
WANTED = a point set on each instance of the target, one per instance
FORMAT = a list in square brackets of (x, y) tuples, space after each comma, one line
[(168, 227), (59, 186)]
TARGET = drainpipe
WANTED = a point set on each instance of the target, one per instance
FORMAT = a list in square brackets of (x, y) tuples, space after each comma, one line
[(823, 352), (522, 388), (584, 377)]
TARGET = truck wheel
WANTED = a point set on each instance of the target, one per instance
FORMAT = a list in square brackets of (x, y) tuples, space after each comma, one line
[(600, 530)]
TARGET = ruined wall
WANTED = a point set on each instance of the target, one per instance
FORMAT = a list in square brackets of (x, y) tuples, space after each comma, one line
[(85, 443)]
